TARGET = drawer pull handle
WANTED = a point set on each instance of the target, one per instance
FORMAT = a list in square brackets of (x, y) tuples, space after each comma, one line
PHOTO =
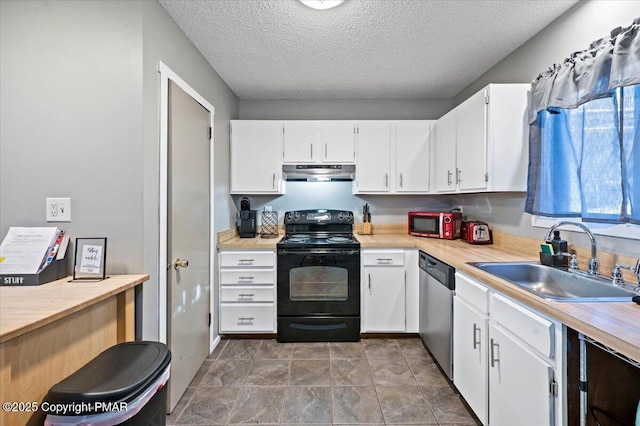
[(246, 278), (245, 320), (246, 260), (385, 261), (476, 342), (246, 295), (369, 275), (494, 359)]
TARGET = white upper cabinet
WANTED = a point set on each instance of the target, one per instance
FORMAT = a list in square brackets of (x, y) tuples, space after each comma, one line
[(445, 153), (256, 157), (412, 156), (471, 143), (481, 145), (319, 142), (338, 142), (300, 140), (373, 167), (393, 157)]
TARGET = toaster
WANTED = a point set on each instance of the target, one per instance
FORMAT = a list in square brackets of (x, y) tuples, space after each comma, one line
[(476, 232)]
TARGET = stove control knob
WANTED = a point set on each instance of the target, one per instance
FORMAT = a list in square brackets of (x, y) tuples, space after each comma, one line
[(341, 216), (296, 216), (289, 216), (348, 216)]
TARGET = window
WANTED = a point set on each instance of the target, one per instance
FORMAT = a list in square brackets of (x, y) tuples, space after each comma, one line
[(589, 160), (584, 139)]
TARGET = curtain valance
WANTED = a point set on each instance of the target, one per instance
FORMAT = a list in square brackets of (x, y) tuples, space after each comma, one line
[(590, 74)]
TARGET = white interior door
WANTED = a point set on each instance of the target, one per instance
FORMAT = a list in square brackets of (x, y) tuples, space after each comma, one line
[(188, 245)]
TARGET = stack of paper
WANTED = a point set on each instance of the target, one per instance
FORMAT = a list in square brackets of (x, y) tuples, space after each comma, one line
[(30, 250)]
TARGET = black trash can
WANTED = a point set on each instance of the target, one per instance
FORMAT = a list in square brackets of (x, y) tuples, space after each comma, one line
[(125, 384)]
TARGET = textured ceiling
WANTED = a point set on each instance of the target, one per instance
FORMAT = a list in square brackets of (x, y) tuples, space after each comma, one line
[(281, 49)]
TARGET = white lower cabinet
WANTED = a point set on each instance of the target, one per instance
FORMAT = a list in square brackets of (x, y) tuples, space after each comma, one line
[(383, 291), (470, 372), (247, 291), (508, 359)]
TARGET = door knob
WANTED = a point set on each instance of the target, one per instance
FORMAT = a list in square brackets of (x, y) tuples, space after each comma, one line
[(178, 263)]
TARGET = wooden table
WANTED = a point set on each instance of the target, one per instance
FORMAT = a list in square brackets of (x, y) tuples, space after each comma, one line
[(48, 332)]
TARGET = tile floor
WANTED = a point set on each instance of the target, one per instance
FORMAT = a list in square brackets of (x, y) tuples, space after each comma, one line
[(375, 381)]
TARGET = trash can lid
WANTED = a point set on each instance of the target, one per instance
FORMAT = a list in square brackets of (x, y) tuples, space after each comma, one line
[(119, 374)]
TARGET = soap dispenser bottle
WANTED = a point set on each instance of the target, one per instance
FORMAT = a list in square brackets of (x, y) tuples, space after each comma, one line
[(559, 245)]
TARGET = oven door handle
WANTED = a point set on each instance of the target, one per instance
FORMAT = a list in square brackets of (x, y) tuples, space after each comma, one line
[(308, 252)]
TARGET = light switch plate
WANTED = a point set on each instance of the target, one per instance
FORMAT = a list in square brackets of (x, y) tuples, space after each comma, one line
[(58, 209)]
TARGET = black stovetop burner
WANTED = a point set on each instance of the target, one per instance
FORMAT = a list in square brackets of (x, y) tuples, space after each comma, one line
[(318, 228)]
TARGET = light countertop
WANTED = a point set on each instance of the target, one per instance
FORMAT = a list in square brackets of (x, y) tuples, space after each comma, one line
[(614, 324), (26, 308)]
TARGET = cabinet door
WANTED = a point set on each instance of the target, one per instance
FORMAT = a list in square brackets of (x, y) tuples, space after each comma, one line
[(338, 142), (251, 140), (519, 384), (301, 139), (445, 153), (374, 152), (470, 367), (471, 138), (384, 298), (412, 156)]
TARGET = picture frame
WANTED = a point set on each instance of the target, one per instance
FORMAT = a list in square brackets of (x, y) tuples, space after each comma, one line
[(90, 259)]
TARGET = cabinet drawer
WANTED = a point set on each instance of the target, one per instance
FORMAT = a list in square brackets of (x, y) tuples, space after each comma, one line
[(246, 294), (246, 259), (383, 258), (246, 277), (526, 325), (474, 293), (247, 318)]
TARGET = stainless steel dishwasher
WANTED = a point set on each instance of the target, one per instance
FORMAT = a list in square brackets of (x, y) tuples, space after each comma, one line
[(437, 284)]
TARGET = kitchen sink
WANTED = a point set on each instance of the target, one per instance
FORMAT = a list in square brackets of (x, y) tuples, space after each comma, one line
[(561, 285)]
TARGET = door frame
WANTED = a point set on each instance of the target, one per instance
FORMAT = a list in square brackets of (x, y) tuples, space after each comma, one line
[(167, 74)]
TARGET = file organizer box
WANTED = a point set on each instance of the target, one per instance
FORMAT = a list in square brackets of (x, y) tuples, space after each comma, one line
[(54, 271)]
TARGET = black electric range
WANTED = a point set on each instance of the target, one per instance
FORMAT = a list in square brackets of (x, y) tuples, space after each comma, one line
[(318, 277)]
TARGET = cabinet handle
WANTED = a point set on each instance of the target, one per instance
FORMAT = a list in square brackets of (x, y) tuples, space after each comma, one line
[(476, 342), (386, 180), (448, 177), (245, 320), (245, 261), (458, 180), (325, 151), (494, 360), (273, 185), (311, 146), (384, 261), (369, 275), (246, 278), (242, 296), (400, 180)]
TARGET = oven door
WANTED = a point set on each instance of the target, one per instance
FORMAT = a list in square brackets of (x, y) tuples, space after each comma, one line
[(318, 282)]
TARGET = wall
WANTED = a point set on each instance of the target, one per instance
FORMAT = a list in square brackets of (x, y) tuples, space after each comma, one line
[(71, 113), (345, 109), (338, 196), (164, 41), (574, 30), (80, 112)]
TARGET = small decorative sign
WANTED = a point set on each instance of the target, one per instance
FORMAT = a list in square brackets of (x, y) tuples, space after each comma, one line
[(90, 259)]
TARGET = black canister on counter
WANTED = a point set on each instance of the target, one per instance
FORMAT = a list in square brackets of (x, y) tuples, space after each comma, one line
[(559, 245)]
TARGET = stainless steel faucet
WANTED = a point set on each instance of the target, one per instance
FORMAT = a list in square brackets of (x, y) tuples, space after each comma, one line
[(617, 276), (593, 261)]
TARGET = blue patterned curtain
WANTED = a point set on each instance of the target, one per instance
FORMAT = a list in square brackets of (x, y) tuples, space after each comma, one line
[(584, 134)]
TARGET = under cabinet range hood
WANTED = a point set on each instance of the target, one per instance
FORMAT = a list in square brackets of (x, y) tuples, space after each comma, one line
[(319, 172)]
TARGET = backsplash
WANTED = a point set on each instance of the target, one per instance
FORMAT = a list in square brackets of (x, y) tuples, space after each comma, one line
[(338, 196)]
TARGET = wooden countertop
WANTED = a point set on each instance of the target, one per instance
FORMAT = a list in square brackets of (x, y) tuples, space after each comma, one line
[(614, 324), (24, 309)]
